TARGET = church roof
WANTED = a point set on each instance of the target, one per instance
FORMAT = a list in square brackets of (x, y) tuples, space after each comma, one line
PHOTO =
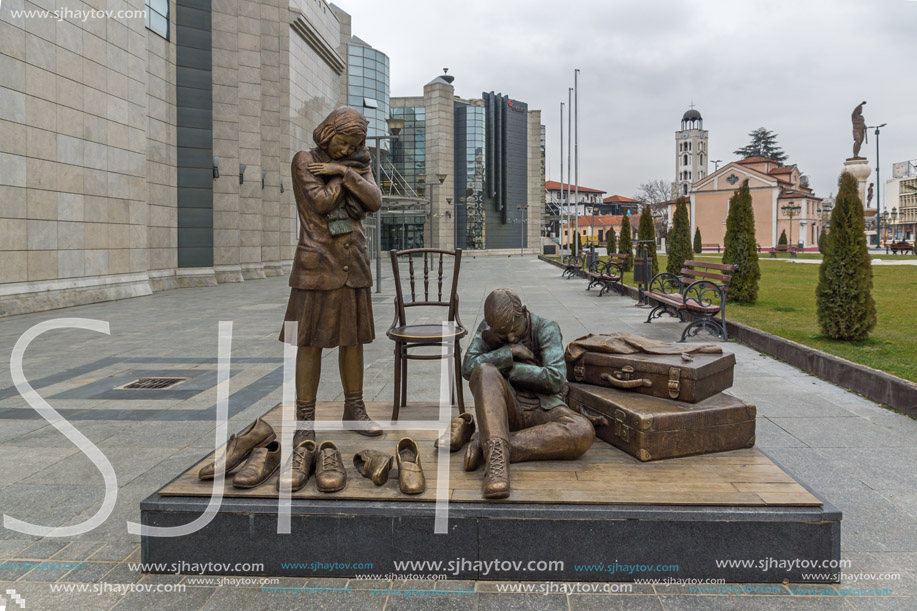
[(553, 185), (691, 115)]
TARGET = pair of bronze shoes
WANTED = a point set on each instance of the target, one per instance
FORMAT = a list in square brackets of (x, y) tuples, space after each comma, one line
[(256, 447), (460, 431), (376, 465), (323, 460)]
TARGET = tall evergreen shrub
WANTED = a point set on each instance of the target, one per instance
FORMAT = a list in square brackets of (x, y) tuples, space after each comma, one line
[(740, 247), (698, 245), (679, 248), (845, 307), (782, 239), (647, 231), (626, 243), (611, 242)]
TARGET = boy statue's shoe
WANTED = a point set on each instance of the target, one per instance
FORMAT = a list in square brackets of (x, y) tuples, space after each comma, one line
[(258, 434), (410, 474), (374, 465), (474, 455), (296, 472), (460, 431), (496, 474), (261, 464), (330, 475)]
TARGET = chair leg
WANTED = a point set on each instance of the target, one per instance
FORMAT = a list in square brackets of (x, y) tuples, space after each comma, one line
[(404, 379), (458, 377), (396, 400)]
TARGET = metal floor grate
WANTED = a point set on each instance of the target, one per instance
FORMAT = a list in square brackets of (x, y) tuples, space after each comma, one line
[(153, 383)]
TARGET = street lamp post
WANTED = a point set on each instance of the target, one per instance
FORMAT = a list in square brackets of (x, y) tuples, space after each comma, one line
[(716, 164), (394, 126), (878, 185), (791, 210), (522, 220)]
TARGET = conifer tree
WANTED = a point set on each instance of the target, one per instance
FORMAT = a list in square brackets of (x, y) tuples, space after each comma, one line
[(626, 243), (679, 248), (782, 239), (698, 245), (740, 247), (647, 231), (845, 307), (821, 240), (611, 242)]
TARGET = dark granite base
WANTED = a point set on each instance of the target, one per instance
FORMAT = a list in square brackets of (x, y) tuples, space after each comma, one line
[(382, 533)]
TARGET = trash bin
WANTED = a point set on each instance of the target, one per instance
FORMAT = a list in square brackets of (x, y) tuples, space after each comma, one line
[(643, 271)]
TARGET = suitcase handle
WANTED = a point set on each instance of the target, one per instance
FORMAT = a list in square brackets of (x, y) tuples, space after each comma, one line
[(626, 383)]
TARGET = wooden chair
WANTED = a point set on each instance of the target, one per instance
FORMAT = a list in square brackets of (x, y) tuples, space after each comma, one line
[(407, 336)]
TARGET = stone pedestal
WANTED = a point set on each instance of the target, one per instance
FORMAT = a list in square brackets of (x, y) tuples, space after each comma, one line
[(859, 167)]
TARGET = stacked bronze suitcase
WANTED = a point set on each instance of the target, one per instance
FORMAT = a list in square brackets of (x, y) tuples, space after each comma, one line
[(662, 405)]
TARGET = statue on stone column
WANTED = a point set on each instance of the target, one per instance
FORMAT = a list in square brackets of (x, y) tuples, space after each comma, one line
[(515, 364), (331, 281), (859, 129)]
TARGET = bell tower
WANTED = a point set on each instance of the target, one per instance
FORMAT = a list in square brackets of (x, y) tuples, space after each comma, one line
[(691, 154)]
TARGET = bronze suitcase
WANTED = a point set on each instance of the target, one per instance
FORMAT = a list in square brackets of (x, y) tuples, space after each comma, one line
[(690, 378), (651, 428)]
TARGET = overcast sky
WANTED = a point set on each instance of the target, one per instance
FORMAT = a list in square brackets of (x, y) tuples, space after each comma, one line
[(796, 67)]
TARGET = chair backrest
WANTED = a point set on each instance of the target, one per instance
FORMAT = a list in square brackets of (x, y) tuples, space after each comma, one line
[(435, 266)]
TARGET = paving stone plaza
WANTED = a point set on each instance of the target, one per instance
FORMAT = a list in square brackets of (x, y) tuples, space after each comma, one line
[(855, 454)]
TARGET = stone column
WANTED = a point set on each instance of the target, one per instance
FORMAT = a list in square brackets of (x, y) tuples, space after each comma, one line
[(440, 148)]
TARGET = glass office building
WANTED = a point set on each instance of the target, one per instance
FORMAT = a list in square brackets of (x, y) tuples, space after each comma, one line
[(469, 176), (408, 158), (368, 88)]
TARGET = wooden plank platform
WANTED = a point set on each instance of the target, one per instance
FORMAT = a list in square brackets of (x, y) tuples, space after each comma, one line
[(604, 475)]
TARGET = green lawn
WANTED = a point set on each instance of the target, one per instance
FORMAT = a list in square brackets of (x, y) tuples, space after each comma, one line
[(786, 307)]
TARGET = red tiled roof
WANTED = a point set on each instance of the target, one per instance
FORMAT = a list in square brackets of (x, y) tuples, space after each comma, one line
[(791, 194), (601, 220), (755, 160), (783, 170), (619, 199), (553, 185)]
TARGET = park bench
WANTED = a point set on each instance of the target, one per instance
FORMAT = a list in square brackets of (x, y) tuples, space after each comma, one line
[(896, 247), (704, 247), (781, 248), (573, 266), (607, 274), (699, 288)]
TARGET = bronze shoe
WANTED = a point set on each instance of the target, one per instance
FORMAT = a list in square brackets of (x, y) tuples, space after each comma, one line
[(305, 412), (374, 465), (296, 472), (460, 432), (410, 475), (496, 474), (262, 464), (355, 409), (258, 434), (330, 475), (474, 456)]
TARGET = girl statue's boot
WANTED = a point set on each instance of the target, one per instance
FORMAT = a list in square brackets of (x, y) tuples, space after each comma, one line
[(305, 412), (355, 410)]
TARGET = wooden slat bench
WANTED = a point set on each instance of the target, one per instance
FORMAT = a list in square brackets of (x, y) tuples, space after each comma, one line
[(704, 247), (573, 266), (608, 274), (699, 288), (896, 247), (781, 248)]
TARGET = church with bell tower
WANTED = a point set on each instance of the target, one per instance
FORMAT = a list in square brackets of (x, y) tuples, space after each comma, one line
[(691, 153)]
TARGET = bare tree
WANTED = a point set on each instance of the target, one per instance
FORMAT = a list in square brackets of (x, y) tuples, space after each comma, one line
[(654, 192)]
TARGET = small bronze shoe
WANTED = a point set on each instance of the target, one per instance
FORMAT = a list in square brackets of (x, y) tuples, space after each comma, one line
[(460, 432), (374, 465), (410, 475), (258, 434), (296, 472), (262, 464), (330, 475), (474, 455)]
